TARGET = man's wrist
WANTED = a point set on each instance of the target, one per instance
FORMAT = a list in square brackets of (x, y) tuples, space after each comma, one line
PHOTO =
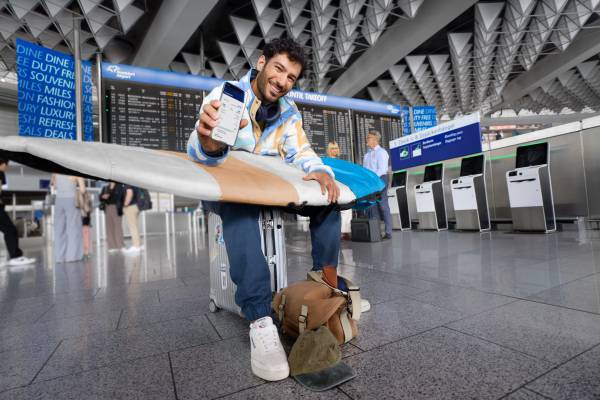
[(211, 147), (215, 153)]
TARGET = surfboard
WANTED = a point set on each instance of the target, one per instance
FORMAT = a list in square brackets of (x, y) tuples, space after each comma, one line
[(243, 177)]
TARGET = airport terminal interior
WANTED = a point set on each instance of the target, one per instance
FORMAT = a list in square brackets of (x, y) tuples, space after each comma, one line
[(487, 112)]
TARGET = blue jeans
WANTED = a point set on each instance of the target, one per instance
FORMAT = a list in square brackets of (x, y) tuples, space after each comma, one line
[(382, 208), (247, 265)]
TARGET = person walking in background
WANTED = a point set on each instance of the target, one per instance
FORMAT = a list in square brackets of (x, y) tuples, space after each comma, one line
[(8, 228), (110, 202), (68, 244), (377, 160), (333, 151), (84, 203), (132, 213)]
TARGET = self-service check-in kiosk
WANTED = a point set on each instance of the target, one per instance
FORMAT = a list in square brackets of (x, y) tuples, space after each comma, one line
[(530, 190), (429, 198), (398, 200), (469, 195)]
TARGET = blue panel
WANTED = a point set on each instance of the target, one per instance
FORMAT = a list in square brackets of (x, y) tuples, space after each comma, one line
[(47, 93), (121, 72), (424, 117), (157, 77), (88, 103), (406, 121), (454, 139), (328, 100)]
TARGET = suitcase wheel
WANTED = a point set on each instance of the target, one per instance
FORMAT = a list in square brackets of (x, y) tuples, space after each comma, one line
[(212, 306)]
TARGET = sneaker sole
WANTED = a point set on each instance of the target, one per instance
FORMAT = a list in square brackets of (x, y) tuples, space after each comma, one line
[(268, 375)]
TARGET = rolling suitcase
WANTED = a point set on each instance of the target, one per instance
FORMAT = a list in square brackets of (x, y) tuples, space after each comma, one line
[(222, 289)]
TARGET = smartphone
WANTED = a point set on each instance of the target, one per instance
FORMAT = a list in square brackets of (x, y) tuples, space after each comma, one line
[(229, 114)]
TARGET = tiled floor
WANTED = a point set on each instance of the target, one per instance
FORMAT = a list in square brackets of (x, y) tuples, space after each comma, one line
[(454, 316)]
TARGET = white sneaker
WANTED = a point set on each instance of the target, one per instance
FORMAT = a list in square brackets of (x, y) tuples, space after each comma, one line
[(267, 356), (20, 261)]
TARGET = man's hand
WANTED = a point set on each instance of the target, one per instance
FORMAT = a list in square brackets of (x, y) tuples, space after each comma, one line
[(209, 119), (327, 185)]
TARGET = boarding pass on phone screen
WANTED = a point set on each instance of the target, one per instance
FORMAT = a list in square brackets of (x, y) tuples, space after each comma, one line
[(229, 114)]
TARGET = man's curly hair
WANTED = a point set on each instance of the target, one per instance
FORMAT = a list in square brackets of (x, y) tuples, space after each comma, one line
[(294, 51)]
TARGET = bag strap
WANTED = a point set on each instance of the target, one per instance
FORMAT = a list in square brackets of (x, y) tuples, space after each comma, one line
[(302, 319), (346, 327), (281, 310), (353, 293)]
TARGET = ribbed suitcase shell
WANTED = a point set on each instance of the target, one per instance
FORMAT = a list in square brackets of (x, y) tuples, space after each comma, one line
[(222, 289)]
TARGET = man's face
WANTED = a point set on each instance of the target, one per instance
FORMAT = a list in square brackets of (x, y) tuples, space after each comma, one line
[(372, 141), (276, 77)]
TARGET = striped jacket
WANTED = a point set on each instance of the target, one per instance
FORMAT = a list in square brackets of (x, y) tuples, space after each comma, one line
[(284, 138)]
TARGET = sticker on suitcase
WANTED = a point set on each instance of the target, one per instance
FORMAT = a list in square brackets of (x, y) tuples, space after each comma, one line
[(219, 235), (224, 277)]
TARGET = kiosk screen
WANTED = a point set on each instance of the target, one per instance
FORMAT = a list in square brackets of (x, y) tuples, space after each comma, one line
[(472, 165), (433, 173), (399, 179), (530, 155)]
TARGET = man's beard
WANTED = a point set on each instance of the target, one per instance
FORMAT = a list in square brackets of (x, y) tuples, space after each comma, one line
[(261, 83)]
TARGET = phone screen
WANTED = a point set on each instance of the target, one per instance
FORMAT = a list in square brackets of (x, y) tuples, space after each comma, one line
[(230, 114)]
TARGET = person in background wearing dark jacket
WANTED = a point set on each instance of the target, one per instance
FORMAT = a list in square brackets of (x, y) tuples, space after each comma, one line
[(110, 198), (8, 228)]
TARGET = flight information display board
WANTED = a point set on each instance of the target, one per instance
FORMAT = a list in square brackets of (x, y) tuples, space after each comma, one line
[(150, 116), (389, 126), (323, 124)]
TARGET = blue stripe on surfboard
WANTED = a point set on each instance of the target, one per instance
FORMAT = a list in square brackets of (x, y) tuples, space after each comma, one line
[(360, 180)]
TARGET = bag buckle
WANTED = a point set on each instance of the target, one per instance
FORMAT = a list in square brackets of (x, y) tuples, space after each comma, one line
[(302, 319)]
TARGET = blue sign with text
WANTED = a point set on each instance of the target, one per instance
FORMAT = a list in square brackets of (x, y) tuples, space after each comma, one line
[(406, 121), (166, 78), (424, 117), (46, 82), (453, 139)]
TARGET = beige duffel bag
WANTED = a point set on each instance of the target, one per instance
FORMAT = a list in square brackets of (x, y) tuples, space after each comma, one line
[(312, 303)]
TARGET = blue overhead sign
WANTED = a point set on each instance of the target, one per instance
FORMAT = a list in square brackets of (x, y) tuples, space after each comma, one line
[(186, 81), (456, 138), (46, 84), (406, 121), (130, 73), (424, 117), (327, 100)]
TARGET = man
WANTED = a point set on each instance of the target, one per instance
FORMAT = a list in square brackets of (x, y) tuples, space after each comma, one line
[(377, 160), (271, 126), (11, 237)]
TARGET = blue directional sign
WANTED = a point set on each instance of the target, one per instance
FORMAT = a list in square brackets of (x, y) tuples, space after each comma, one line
[(46, 82), (424, 117), (453, 139)]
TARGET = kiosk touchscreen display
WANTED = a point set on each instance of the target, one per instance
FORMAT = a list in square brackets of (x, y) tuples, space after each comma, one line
[(531, 155), (399, 179), (472, 165), (433, 173)]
